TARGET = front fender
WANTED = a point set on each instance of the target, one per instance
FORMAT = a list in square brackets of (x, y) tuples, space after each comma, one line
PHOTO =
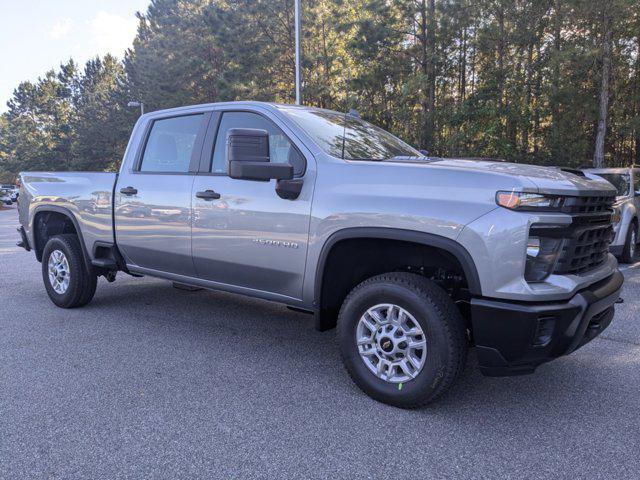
[(628, 214)]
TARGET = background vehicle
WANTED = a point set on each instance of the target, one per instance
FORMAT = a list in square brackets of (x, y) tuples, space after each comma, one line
[(625, 218), (413, 258), (12, 190), (5, 196)]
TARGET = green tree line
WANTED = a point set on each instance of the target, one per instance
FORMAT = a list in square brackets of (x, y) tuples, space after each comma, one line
[(553, 82)]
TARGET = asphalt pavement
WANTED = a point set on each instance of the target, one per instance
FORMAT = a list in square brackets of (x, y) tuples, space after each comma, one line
[(148, 381)]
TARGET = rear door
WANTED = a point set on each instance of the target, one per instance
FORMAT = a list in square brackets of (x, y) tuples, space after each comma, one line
[(249, 237), (153, 197)]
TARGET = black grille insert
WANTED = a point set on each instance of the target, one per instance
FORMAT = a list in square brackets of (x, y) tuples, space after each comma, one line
[(586, 240), (584, 251), (587, 244), (596, 204)]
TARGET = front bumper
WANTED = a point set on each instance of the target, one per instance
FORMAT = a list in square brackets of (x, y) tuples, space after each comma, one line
[(513, 338)]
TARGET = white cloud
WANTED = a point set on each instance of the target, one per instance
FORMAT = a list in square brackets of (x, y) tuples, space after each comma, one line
[(111, 33), (61, 28)]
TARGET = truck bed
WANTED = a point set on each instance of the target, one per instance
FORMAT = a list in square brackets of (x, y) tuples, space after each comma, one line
[(88, 196)]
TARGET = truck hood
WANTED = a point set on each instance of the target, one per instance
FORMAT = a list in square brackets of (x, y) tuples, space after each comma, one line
[(551, 180)]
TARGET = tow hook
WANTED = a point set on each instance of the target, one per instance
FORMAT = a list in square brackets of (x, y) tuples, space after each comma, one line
[(620, 300)]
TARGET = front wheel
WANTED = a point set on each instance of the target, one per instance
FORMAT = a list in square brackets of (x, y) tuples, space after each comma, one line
[(629, 249), (402, 339), (67, 279)]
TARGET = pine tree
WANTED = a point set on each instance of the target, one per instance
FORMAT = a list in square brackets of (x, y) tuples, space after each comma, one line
[(554, 82)]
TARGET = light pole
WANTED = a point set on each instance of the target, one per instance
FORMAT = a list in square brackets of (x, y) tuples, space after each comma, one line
[(297, 22), (137, 104)]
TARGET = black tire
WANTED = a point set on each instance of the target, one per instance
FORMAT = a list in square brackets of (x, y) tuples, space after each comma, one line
[(82, 281), (629, 249), (440, 321), (89, 289)]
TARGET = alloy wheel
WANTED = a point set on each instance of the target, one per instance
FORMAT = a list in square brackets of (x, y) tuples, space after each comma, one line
[(391, 343), (58, 269)]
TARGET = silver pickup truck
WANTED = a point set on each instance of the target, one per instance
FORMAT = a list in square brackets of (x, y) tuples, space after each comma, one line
[(414, 258)]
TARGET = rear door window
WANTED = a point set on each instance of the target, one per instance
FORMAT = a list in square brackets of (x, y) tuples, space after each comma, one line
[(170, 144)]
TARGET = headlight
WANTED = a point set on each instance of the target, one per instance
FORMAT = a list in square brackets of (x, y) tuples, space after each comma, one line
[(529, 201), (542, 254), (615, 217)]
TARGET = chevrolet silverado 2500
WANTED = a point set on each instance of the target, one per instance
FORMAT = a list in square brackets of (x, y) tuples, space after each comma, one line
[(414, 258)]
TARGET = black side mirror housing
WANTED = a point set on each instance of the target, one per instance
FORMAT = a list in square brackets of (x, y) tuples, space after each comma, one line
[(247, 145), (248, 156), (260, 171)]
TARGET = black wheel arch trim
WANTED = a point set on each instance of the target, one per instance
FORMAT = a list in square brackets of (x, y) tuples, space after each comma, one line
[(428, 239), (67, 213)]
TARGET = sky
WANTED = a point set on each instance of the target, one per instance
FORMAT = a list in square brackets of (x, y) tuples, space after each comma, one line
[(36, 36)]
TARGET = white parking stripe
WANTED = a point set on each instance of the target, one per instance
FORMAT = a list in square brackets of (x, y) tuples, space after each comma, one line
[(631, 266)]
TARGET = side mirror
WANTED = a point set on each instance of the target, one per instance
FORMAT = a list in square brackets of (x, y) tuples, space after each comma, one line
[(248, 156)]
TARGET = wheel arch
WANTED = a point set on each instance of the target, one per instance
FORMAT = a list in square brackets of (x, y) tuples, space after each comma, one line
[(39, 237), (438, 242)]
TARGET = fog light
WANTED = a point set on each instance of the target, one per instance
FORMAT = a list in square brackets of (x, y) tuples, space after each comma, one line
[(533, 247), (544, 331)]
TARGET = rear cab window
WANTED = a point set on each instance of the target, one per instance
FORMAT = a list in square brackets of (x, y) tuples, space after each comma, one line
[(170, 145)]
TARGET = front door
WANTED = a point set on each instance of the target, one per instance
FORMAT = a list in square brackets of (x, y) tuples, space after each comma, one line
[(249, 237), (153, 198)]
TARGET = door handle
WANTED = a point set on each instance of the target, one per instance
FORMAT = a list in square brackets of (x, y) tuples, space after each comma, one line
[(208, 195), (128, 191)]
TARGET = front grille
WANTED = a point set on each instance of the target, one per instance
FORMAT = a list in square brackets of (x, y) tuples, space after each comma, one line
[(584, 252), (586, 241), (578, 205)]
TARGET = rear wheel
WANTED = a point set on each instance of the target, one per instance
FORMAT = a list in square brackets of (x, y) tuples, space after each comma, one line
[(629, 249), (402, 339), (67, 279)]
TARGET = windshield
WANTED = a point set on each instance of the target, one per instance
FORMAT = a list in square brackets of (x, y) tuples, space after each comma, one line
[(618, 180), (362, 141)]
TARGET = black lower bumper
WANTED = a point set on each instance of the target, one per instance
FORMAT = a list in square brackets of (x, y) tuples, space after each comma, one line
[(514, 338)]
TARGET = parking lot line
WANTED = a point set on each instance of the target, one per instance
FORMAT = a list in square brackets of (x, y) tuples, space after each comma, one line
[(629, 267)]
